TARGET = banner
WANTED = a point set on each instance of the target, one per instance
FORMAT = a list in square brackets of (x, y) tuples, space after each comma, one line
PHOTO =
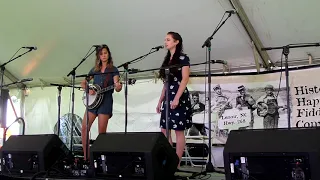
[(256, 102), (305, 92), (237, 102)]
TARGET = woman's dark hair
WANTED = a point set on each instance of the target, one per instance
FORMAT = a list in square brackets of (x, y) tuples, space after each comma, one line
[(98, 63), (175, 58)]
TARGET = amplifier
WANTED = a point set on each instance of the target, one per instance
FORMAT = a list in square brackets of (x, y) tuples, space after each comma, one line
[(142, 155), (29, 154), (273, 154)]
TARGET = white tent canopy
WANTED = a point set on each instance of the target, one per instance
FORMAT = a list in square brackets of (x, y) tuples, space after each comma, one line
[(64, 31)]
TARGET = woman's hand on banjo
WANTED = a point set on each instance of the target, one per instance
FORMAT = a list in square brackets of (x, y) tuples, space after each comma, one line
[(118, 86)]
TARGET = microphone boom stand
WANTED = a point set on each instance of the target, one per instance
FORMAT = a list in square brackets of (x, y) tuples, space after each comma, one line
[(167, 71), (2, 68), (87, 114), (59, 108), (207, 43), (59, 87), (73, 73), (285, 52), (126, 70)]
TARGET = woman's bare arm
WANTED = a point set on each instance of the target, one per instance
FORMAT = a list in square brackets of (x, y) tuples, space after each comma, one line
[(84, 83)]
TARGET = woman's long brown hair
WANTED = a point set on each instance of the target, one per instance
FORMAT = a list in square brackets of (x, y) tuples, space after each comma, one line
[(98, 63)]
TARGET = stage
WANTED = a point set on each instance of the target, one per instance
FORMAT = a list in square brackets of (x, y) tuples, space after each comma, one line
[(179, 175)]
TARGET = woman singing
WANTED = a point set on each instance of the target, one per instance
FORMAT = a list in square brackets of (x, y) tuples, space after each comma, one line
[(103, 64), (180, 105)]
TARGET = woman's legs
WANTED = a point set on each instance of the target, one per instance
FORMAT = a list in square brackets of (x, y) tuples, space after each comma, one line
[(103, 120), (180, 144), (165, 134), (92, 117)]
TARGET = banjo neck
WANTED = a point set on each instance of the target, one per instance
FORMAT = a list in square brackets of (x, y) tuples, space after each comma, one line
[(93, 101), (106, 89)]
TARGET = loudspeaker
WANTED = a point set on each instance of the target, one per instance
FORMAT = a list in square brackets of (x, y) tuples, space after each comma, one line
[(143, 155), (28, 154), (273, 154)]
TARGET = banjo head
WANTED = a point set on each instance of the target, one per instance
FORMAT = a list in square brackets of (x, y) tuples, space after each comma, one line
[(92, 99)]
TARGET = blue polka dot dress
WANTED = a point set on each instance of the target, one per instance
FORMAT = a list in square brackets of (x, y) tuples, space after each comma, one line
[(179, 118)]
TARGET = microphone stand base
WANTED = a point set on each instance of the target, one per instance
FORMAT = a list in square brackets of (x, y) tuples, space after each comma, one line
[(209, 167)]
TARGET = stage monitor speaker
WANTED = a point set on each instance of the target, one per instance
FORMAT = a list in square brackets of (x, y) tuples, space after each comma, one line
[(142, 155), (273, 154), (29, 154)]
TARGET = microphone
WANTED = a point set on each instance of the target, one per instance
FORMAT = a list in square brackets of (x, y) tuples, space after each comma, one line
[(31, 48), (97, 46), (25, 80), (133, 70), (232, 11), (219, 62), (158, 47)]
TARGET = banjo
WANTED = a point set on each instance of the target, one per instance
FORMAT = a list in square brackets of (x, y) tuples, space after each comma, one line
[(95, 99)]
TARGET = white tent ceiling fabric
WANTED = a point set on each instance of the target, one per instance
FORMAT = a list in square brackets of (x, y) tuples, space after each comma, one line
[(284, 22), (63, 32)]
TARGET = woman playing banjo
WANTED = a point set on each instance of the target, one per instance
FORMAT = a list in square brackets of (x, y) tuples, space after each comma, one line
[(103, 64)]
